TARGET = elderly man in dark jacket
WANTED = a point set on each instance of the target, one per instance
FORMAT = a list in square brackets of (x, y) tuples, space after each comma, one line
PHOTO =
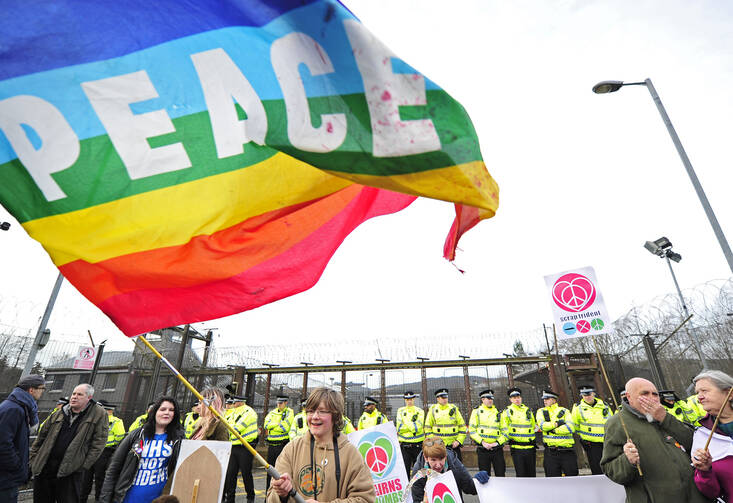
[(658, 443), (18, 414), (70, 442)]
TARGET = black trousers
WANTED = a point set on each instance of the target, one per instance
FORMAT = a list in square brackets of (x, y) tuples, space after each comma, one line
[(456, 451), (96, 475), (273, 451), (58, 490), (410, 452), (240, 460), (491, 457), (594, 451), (560, 461), (524, 462)]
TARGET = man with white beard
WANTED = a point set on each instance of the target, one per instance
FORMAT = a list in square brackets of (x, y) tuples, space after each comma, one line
[(657, 443)]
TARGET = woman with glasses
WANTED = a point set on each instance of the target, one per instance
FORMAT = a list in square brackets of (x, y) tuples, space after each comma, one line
[(436, 457), (322, 465), (144, 461)]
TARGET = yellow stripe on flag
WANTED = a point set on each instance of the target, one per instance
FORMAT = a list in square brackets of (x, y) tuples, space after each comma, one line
[(171, 216)]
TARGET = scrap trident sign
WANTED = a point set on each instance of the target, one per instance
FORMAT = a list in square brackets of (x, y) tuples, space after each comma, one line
[(577, 304)]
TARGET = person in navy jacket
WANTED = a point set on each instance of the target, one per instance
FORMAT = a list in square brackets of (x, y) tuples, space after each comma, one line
[(18, 414)]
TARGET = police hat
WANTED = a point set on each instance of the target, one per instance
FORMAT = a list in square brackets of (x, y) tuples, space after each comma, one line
[(586, 389), (229, 401), (514, 392), (282, 398), (106, 405), (409, 394), (441, 392), (669, 394), (303, 402), (487, 393), (548, 393), (63, 400), (369, 401)]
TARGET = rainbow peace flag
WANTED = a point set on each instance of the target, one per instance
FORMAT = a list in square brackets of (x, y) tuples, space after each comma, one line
[(183, 160)]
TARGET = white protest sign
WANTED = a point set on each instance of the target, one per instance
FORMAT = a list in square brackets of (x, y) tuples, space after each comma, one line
[(595, 488), (443, 489), (380, 450), (201, 463), (577, 304)]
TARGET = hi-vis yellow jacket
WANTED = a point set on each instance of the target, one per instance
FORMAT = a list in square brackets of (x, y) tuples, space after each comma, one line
[(278, 423), (368, 420), (116, 431), (446, 422), (590, 420), (299, 426), (244, 420), (485, 425), (410, 424), (556, 425), (517, 423)]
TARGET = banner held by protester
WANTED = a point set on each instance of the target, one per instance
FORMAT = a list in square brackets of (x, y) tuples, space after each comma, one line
[(577, 304), (380, 448)]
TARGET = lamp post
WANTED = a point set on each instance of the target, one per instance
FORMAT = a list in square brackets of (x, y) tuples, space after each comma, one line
[(662, 248), (610, 86)]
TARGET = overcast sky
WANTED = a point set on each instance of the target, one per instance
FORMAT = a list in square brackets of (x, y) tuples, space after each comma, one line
[(585, 179)]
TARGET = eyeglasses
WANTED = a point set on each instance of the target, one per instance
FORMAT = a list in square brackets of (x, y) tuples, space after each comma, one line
[(319, 412), (433, 441)]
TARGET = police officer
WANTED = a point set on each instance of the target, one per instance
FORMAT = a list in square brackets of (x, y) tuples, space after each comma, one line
[(277, 425), (140, 420), (696, 410), (484, 427), (410, 424), (189, 420), (371, 415), (589, 417), (244, 419), (518, 425), (96, 473), (678, 408), (348, 426), (60, 403), (445, 421), (299, 426), (557, 434)]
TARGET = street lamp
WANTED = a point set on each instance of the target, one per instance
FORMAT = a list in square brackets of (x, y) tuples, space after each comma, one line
[(610, 86), (662, 247)]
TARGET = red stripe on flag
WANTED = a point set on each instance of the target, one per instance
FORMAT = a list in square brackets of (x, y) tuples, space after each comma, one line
[(293, 271)]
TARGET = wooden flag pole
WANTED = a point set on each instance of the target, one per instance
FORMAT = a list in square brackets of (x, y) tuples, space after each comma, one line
[(715, 424), (613, 397), (270, 469)]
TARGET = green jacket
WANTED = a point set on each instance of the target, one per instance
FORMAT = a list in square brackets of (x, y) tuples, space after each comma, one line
[(664, 456), (85, 447)]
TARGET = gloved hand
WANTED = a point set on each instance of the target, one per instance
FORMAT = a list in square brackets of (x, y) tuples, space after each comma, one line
[(560, 422), (482, 477)]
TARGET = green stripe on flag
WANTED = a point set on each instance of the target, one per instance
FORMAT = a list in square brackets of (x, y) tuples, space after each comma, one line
[(98, 176)]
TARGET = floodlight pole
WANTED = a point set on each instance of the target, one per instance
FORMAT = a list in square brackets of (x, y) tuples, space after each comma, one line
[(612, 86), (687, 315)]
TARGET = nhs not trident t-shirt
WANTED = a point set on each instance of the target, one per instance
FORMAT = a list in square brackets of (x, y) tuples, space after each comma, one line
[(152, 472)]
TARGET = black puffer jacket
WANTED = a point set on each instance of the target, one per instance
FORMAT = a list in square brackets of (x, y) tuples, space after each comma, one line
[(124, 463)]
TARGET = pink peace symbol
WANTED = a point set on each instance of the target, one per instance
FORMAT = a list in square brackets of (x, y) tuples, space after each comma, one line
[(573, 292)]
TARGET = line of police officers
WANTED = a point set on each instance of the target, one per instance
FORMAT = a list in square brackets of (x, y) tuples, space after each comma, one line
[(518, 427)]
